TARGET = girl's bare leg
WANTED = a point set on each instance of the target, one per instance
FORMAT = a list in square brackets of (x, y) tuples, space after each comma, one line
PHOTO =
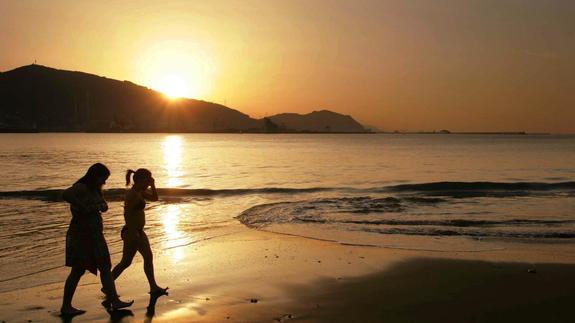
[(128, 253), (146, 252)]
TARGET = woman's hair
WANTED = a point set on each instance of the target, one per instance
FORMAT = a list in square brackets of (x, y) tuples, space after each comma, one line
[(139, 175), (94, 172)]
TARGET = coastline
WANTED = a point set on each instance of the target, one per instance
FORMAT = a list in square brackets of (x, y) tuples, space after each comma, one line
[(257, 276)]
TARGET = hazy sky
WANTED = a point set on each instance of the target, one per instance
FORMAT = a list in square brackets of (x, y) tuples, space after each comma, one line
[(463, 65)]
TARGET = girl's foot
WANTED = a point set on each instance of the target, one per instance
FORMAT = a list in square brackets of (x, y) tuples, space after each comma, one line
[(71, 311), (158, 290)]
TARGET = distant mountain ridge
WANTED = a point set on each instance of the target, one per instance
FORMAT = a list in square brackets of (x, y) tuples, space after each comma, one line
[(318, 121), (39, 98)]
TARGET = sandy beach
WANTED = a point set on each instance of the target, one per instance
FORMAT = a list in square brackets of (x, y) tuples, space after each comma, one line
[(256, 276)]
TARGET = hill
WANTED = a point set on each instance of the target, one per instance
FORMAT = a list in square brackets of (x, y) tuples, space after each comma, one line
[(317, 121), (40, 98)]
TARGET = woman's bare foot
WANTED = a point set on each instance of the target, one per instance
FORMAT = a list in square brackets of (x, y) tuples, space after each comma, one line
[(71, 311), (157, 290), (116, 304)]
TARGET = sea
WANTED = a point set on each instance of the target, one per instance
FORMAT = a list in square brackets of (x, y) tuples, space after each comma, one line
[(437, 192)]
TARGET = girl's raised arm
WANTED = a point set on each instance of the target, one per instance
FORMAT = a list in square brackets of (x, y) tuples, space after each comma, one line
[(153, 196)]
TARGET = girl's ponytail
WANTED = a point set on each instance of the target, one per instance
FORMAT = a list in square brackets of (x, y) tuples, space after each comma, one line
[(128, 176)]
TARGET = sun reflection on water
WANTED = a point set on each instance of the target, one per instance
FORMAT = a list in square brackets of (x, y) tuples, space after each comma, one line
[(172, 149), (173, 236)]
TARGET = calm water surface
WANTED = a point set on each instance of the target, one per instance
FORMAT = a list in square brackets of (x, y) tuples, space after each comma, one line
[(431, 192)]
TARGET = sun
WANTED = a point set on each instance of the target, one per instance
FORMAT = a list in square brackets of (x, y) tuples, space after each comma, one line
[(178, 68), (174, 86)]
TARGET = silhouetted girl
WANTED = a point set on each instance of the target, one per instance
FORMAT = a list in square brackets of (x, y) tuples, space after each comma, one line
[(133, 235), (86, 247)]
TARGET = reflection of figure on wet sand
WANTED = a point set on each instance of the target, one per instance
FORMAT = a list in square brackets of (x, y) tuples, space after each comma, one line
[(133, 235), (118, 316), (68, 318), (86, 247), (151, 309)]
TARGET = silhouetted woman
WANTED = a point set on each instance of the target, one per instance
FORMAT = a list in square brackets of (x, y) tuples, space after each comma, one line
[(86, 247), (133, 235)]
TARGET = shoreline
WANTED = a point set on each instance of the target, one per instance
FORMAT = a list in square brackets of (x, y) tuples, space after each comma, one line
[(257, 276)]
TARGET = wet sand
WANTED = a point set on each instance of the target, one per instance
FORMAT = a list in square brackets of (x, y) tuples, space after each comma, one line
[(253, 276), (440, 290)]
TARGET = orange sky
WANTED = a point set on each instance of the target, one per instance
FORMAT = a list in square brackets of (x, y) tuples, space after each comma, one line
[(482, 65)]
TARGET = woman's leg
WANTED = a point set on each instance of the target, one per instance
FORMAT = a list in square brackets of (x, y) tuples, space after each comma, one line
[(112, 299), (108, 285), (69, 289), (146, 252), (128, 253)]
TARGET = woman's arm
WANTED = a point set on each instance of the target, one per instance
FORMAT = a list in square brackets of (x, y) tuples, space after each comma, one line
[(153, 196), (102, 205), (72, 195), (79, 198)]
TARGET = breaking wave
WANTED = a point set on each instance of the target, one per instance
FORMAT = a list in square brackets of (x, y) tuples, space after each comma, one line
[(414, 215), (447, 189)]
